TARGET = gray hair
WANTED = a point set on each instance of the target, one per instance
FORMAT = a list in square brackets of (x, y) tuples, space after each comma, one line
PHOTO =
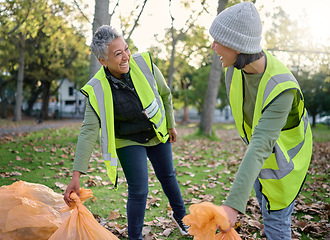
[(103, 36)]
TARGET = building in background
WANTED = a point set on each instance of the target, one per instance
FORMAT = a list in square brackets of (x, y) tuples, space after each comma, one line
[(71, 102)]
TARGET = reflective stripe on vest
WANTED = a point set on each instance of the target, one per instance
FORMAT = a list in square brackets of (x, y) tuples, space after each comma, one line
[(97, 89), (278, 79), (284, 167), (151, 110), (141, 67), (102, 115)]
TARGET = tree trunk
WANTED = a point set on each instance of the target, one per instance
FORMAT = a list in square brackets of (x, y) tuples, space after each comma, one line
[(76, 94), (3, 98), (171, 69), (212, 88), (20, 78), (32, 100), (45, 100), (211, 96), (185, 118), (101, 17), (314, 120)]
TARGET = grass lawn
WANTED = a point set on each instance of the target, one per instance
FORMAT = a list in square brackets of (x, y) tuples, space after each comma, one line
[(205, 171)]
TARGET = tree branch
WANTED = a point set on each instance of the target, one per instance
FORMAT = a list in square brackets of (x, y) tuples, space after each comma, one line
[(19, 24), (114, 9), (77, 5), (137, 20)]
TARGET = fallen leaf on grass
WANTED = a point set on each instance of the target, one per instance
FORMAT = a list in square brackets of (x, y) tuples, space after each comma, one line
[(167, 232), (155, 191), (90, 183), (94, 199), (153, 201), (308, 217), (113, 215), (21, 169), (16, 174), (61, 186), (146, 230)]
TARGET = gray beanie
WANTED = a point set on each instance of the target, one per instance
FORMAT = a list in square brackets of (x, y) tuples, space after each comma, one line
[(238, 27)]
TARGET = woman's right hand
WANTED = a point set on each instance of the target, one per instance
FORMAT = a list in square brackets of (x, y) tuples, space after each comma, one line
[(73, 186), (232, 216)]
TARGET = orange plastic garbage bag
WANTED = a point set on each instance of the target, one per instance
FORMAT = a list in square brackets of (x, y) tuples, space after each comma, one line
[(203, 220), (81, 225), (29, 211)]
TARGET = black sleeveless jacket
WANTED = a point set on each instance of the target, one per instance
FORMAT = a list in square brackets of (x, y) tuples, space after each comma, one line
[(130, 122)]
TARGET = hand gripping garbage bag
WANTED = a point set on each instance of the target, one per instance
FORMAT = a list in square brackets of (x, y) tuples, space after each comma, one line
[(81, 225), (203, 220), (29, 211)]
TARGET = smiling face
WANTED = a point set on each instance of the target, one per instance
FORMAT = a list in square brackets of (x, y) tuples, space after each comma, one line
[(227, 55), (118, 57)]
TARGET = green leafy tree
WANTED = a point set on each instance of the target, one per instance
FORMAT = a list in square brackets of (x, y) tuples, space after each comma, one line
[(8, 64), (187, 42), (308, 60), (185, 49), (198, 87), (18, 24), (60, 53), (316, 90), (52, 48), (212, 87), (292, 42)]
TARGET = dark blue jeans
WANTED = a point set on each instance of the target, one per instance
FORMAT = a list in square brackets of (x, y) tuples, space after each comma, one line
[(277, 224), (133, 160)]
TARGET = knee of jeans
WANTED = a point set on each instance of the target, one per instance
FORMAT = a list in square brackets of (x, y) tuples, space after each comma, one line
[(138, 193), (166, 176)]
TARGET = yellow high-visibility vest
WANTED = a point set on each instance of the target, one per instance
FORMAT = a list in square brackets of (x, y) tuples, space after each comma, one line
[(284, 172), (98, 92)]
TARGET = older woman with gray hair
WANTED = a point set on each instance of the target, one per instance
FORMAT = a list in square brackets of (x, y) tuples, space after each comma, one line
[(130, 106)]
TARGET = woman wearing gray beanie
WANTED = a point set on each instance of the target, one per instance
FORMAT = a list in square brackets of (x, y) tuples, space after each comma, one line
[(269, 112)]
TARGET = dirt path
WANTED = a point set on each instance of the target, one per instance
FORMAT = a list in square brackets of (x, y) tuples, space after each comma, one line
[(32, 126)]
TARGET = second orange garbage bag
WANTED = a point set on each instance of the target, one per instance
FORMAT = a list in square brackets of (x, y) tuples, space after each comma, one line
[(203, 220), (81, 225)]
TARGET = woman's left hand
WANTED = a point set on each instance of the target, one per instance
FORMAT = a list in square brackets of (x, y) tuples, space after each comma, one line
[(172, 132)]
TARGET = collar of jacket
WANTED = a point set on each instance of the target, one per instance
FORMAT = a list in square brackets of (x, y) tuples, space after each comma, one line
[(125, 82)]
